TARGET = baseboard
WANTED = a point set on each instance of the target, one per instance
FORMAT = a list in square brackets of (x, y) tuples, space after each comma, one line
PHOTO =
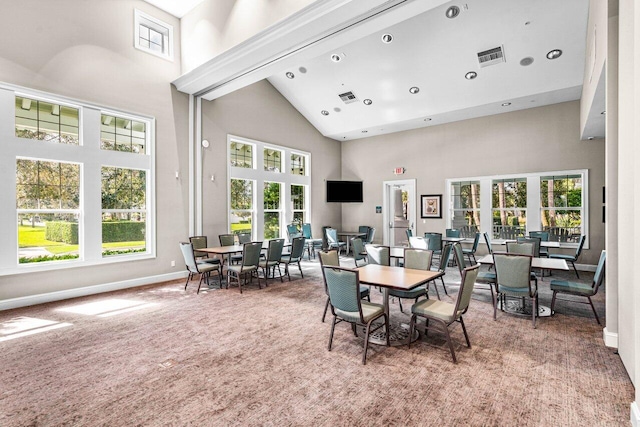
[(584, 267), (88, 290), (610, 338), (635, 414)]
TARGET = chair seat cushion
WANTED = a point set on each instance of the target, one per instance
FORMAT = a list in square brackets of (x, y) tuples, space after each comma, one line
[(572, 287), (486, 277), (369, 311), (241, 269), (287, 259), (562, 256), (364, 291), (206, 267), (516, 292), (435, 309), (208, 261), (265, 264), (412, 294), (468, 251)]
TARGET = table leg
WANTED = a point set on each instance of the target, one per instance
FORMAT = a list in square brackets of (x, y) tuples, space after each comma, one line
[(398, 332)]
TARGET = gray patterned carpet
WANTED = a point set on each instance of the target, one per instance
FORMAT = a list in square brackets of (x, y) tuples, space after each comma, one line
[(160, 356)]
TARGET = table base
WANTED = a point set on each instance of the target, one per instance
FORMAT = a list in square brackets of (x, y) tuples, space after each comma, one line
[(398, 334), (513, 306)]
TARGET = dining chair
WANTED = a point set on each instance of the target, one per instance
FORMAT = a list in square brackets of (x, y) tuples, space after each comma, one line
[(312, 244), (452, 232), (272, 259), (419, 242), (416, 259), (378, 254), (364, 230), (442, 267), (359, 253), (370, 236), (483, 277), (292, 231), (200, 242), (444, 314), (409, 234), (572, 258), (294, 257), (227, 239), (248, 266), (581, 289), (534, 240), (331, 258), (332, 239), (513, 279), (343, 286), (544, 237), (193, 267), (435, 242), (525, 248), (471, 252), (244, 237)]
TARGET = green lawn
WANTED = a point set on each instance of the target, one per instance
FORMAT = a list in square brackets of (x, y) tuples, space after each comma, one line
[(32, 237)]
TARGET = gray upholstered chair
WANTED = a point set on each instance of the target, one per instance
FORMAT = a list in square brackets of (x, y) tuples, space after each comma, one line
[(416, 259), (297, 249), (272, 260), (312, 244), (483, 277), (442, 267), (331, 258), (572, 258), (343, 286), (292, 231), (533, 240), (409, 235), (370, 236), (227, 239), (359, 253), (332, 239), (364, 229), (544, 237), (200, 242), (248, 267), (435, 242), (243, 238), (471, 252), (443, 314), (378, 254), (513, 278), (526, 248), (193, 267), (452, 232), (581, 289)]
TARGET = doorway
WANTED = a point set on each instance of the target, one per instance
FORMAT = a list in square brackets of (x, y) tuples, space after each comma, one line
[(399, 211)]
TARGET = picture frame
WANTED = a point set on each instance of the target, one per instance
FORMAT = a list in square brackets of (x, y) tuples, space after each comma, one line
[(431, 206)]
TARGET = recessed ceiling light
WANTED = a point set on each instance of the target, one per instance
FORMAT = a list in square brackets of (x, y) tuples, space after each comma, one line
[(324, 112), (302, 70), (365, 131), (290, 75), (471, 75), (387, 38), (527, 23), (506, 104), (367, 102), (428, 119), (526, 61), (553, 54), (414, 90), (337, 110), (336, 58), (452, 12)]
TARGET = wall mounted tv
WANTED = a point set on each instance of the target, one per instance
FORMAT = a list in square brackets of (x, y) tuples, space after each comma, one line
[(344, 191)]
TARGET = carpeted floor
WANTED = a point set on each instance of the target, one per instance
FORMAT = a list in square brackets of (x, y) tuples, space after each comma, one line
[(160, 356)]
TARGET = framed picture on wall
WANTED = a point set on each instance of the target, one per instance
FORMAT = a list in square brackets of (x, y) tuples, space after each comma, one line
[(431, 206)]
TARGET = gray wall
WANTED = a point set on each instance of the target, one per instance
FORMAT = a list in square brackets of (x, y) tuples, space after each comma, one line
[(534, 140), (84, 50)]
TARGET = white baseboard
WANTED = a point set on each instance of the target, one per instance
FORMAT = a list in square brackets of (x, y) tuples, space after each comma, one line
[(635, 414), (610, 338), (88, 290)]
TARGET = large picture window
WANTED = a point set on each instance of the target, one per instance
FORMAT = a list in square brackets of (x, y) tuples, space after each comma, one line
[(562, 207), (509, 203), (465, 207)]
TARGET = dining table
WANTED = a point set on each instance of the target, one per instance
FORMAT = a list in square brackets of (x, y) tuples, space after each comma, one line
[(400, 278), (349, 235)]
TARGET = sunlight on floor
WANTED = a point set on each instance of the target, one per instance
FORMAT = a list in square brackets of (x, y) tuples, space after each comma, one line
[(24, 326), (107, 307)]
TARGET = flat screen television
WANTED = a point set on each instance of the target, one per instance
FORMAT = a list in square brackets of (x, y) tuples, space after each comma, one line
[(344, 191)]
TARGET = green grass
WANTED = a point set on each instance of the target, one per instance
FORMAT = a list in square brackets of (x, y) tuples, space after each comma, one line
[(235, 228), (33, 237)]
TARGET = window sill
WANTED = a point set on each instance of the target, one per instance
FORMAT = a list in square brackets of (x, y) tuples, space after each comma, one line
[(63, 265)]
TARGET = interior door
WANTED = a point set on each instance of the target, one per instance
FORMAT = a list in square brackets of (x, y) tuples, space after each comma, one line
[(399, 211)]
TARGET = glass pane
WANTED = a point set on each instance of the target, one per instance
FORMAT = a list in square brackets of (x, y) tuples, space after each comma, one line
[(69, 135), (155, 47), (144, 32), (49, 131), (298, 164), (297, 197), (241, 155), (272, 195), (271, 225), (155, 37), (26, 108), (241, 222), (299, 218), (467, 221), (123, 233), (123, 143), (272, 160), (562, 225), (47, 185), (509, 224), (144, 43), (47, 237), (241, 194), (26, 128), (123, 188)]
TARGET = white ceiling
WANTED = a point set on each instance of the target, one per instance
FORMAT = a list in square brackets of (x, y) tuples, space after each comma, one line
[(177, 8), (429, 51)]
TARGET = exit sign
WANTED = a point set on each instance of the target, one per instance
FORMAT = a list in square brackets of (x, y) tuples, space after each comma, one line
[(398, 171)]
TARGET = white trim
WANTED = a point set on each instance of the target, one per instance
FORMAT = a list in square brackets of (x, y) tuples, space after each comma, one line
[(198, 175), (8, 304), (412, 211), (635, 414), (157, 25), (192, 143), (610, 338)]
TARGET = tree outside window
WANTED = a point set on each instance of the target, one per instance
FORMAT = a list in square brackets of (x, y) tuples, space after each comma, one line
[(241, 205), (561, 212)]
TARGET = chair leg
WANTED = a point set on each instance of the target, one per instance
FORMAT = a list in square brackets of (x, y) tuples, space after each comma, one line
[(366, 343), (400, 302), (464, 330), (495, 304), (436, 287), (553, 302), (534, 310), (188, 279), (594, 311), (412, 327), (326, 307), (333, 327), (300, 268), (386, 329), (575, 269), (354, 328), (446, 332)]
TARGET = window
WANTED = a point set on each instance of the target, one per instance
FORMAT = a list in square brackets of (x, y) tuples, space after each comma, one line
[(72, 203), (153, 35), (268, 187), (509, 201), (465, 207), (562, 207)]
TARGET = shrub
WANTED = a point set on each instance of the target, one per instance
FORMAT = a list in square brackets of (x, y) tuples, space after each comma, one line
[(61, 231), (123, 231), (44, 258)]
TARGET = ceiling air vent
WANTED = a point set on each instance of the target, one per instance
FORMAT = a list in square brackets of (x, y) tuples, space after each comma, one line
[(348, 97), (491, 56)]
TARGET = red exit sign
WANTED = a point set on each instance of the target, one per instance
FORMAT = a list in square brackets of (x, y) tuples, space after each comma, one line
[(398, 171)]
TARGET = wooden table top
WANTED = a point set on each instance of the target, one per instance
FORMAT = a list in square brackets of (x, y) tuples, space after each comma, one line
[(395, 277), (545, 263), (233, 249), (542, 244)]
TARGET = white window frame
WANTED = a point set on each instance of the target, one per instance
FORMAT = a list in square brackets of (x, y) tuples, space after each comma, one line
[(141, 18), (91, 158), (259, 176), (534, 207)]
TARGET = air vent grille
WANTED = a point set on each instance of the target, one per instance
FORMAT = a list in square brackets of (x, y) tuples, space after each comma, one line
[(348, 97), (491, 56)]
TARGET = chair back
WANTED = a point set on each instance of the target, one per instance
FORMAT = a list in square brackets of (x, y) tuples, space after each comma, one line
[(251, 254), (364, 229), (476, 241), (513, 270), (306, 230), (244, 238), (543, 235), (343, 285), (332, 235), (418, 242), (358, 248), (598, 277), (459, 256), (487, 241), (435, 241), (379, 255), (445, 256), (328, 259), (199, 242), (370, 235), (325, 241), (534, 240), (297, 248), (521, 248), (274, 251), (469, 276), (452, 232), (418, 259), (409, 233), (292, 231), (227, 239), (189, 257), (580, 245)]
